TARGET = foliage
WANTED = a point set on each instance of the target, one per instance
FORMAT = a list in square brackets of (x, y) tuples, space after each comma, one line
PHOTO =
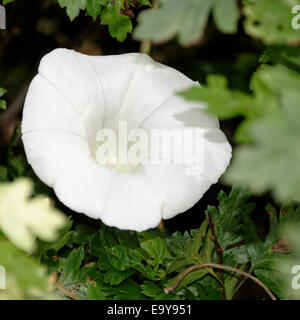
[(27, 282), (161, 24), (112, 264), (270, 21), (22, 219), (2, 102), (116, 14), (62, 258), (270, 123)]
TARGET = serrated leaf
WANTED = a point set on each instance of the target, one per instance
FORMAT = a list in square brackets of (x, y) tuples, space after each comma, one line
[(71, 267), (208, 288), (178, 242), (95, 293), (23, 219), (26, 279), (195, 244), (227, 104), (94, 7), (63, 238), (118, 25), (123, 258), (271, 21), (162, 24), (227, 218), (155, 246), (73, 7), (276, 138), (165, 22), (97, 250)]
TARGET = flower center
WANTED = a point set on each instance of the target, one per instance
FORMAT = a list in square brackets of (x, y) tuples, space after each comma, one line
[(114, 149)]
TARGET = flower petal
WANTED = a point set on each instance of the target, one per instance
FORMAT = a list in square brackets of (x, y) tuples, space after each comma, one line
[(151, 86), (46, 108), (72, 74), (133, 203), (51, 153), (180, 190)]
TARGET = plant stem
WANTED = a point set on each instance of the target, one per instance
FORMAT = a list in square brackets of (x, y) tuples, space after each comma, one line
[(146, 45), (219, 266), (219, 254)]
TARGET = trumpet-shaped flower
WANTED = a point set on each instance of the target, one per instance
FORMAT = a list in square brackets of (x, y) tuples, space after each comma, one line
[(75, 96)]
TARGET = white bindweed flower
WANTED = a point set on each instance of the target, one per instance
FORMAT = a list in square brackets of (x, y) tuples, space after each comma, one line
[(74, 96)]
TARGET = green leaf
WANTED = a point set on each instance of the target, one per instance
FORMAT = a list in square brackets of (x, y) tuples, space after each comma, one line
[(2, 102), (3, 174), (195, 244), (271, 21), (281, 54), (97, 250), (227, 218), (123, 258), (93, 7), (179, 264), (115, 277), (178, 242), (273, 280), (95, 293), (129, 290), (165, 22), (22, 218), (7, 1), (75, 279), (226, 15), (192, 277), (208, 288), (63, 238), (73, 7), (285, 276), (71, 267), (227, 104), (263, 166), (144, 2), (25, 279), (118, 25), (155, 246), (82, 234), (162, 24), (150, 289)]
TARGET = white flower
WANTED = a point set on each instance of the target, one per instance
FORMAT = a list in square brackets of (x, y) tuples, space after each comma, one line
[(74, 96)]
